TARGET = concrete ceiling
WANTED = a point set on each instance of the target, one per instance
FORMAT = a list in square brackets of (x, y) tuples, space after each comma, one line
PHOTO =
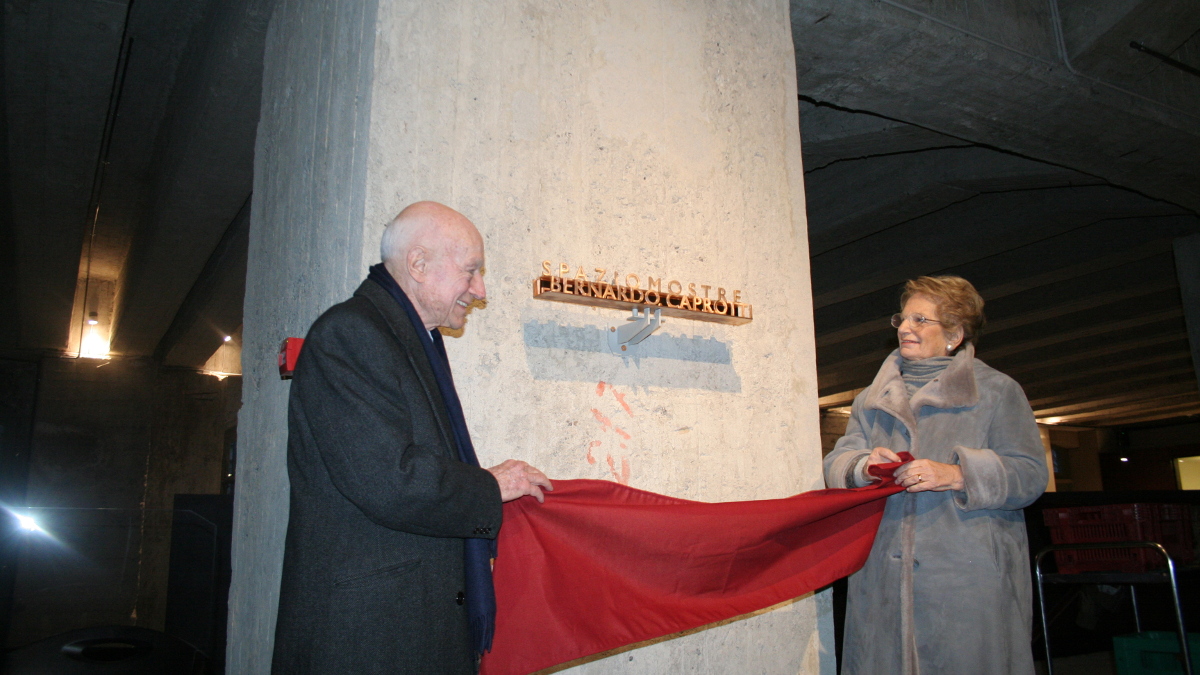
[(1027, 147), (1023, 145), (130, 132)]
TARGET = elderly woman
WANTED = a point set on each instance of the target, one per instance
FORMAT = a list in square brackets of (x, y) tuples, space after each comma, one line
[(946, 588)]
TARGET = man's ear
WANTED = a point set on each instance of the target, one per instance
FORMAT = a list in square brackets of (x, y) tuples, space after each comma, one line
[(416, 263)]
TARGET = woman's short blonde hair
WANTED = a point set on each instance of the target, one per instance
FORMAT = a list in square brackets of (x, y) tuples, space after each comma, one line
[(959, 304)]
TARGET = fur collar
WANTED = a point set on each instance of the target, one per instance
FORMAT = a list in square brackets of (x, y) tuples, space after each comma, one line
[(953, 388)]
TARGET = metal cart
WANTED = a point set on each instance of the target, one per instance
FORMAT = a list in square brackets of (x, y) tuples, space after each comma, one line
[(1114, 578)]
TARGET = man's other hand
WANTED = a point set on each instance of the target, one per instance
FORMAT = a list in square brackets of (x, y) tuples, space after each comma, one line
[(517, 479)]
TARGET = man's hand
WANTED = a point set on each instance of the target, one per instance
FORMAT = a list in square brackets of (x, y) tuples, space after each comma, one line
[(517, 479), (879, 455)]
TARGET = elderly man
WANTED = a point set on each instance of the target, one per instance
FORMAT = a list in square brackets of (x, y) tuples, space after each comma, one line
[(392, 525)]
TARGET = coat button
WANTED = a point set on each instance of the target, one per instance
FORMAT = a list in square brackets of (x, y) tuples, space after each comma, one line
[(460, 597), (483, 530)]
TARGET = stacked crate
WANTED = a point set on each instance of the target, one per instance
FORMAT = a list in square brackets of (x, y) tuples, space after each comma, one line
[(1166, 524), (1154, 653)]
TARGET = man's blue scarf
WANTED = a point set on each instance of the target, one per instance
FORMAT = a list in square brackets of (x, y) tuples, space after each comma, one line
[(481, 596)]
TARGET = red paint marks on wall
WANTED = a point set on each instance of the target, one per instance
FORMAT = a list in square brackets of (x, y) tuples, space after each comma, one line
[(620, 475), (623, 476), (604, 421), (621, 399)]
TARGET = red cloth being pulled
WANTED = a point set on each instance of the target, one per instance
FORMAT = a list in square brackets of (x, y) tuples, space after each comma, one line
[(601, 565)]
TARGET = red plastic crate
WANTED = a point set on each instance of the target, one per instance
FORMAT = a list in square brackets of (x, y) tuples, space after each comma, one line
[(1167, 524)]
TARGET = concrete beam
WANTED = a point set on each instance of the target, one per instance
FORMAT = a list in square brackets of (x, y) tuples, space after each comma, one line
[(1187, 270), (1098, 380), (1108, 403), (1000, 222), (1101, 246), (1065, 310), (859, 197), (1097, 34), (832, 135), (1103, 351), (1065, 296), (202, 171), (1036, 340), (1085, 377), (998, 78), (1128, 338), (212, 309), (1145, 411), (59, 63)]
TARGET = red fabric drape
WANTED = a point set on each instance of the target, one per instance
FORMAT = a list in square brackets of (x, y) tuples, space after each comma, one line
[(601, 565)]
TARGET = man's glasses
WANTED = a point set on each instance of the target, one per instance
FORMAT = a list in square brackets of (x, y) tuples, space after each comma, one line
[(917, 320)]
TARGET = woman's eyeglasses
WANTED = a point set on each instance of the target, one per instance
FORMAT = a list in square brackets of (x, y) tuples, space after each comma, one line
[(917, 320)]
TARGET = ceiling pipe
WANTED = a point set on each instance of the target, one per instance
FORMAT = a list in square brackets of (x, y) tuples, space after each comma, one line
[(1061, 40), (1134, 44), (93, 212)]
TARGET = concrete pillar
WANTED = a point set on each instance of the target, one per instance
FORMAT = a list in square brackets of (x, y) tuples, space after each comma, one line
[(655, 139)]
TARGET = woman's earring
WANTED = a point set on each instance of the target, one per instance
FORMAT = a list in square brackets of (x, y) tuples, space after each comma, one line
[(949, 348)]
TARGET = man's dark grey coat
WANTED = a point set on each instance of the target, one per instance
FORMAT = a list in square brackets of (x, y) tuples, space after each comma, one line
[(380, 504)]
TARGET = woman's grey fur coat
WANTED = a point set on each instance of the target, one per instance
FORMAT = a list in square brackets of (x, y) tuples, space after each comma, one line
[(946, 588)]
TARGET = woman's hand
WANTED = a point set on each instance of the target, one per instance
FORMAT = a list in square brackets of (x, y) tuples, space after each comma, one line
[(878, 456), (920, 475)]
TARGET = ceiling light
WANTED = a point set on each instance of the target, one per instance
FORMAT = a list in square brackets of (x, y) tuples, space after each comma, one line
[(1051, 420), (92, 322), (27, 523), (228, 338), (94, 345), (1124, 459)]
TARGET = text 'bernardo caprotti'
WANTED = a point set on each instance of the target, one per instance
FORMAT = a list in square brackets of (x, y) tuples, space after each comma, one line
[(700, 302)]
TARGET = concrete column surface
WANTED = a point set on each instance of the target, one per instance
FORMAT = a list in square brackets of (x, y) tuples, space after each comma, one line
[(650, 138)]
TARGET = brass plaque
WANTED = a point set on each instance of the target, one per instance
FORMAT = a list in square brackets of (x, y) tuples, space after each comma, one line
[(581, 291)]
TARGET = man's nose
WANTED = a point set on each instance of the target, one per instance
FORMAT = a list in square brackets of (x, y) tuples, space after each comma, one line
[(477, 287)]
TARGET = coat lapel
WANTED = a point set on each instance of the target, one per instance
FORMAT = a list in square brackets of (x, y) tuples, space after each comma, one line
[(414, 351), (954, 388), (887, 393)]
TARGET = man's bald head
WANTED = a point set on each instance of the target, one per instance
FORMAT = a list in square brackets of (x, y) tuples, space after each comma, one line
[(436, 255), (416, 223)]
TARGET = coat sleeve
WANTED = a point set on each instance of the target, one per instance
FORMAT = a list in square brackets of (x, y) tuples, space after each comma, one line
[(347, 397), (1012, 473), (843, 464)]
